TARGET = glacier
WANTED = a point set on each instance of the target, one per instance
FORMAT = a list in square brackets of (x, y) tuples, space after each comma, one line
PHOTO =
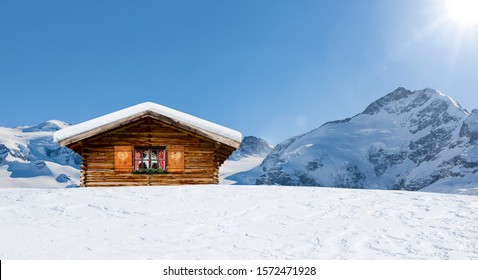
[(30, 159)]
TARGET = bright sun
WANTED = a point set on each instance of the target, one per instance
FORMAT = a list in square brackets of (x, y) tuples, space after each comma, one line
[(464, 12)]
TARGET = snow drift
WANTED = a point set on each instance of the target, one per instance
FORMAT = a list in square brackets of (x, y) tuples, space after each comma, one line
[(232, 222)]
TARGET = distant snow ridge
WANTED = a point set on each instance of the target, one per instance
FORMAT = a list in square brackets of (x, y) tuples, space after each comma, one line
[(252, 146), (411, 140), (30, 158), (52, 125)]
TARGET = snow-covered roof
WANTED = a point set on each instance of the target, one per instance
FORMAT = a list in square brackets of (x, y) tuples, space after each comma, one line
[(110, 121)]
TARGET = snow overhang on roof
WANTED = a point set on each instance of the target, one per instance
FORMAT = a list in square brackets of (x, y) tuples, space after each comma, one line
[(116, 119)]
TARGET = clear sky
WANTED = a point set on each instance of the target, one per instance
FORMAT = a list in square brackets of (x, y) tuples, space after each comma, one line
[(273, 69)]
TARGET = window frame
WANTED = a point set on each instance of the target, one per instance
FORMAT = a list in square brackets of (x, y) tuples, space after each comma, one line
[(149, 161)]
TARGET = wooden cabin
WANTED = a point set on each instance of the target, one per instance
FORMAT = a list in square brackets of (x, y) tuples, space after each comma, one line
[(149, 145)]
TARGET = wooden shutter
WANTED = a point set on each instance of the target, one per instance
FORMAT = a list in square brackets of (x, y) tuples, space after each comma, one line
[(175, 159), (123, 158)]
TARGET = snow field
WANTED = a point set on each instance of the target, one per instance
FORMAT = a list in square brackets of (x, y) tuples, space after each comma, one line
[(235, 222), (233, 168)]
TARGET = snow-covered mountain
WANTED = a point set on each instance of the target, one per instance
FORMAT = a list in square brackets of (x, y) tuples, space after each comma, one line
[(412, 140), (30, 158), (250, 154), (252, 146)]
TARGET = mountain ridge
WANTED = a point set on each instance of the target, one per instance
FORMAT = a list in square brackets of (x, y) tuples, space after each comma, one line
[(405, 140), (251, 146)]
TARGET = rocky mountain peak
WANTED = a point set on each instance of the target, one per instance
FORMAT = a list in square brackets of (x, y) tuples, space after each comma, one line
[(402, 101), (405, 140), (252, 146), (394, 96), (469, 127)]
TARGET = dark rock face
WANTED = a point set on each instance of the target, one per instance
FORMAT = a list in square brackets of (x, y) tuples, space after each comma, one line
[(351, 178), (382, 160), (432, 116), (252, 146), (277, 177), (4, 151), (62, 178), (396, 95), (405, 140), (64, 154), (469, 128), (275, 155), (427, 147), (313, 165)]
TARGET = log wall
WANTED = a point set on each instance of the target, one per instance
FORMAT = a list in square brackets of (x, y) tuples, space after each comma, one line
[(202, 156)]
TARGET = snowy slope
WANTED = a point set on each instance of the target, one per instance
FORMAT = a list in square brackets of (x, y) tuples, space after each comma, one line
[(406, 140), (30, 158), (222, 222), (238, 172), (236, 169)]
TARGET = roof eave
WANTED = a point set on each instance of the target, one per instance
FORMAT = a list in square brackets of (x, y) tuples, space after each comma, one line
[(113, 125)]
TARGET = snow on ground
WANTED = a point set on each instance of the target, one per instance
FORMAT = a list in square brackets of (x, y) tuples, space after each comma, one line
[(25, 175), (240, 222), (232, 167)]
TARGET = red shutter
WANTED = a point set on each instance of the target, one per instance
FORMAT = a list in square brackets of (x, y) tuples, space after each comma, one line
[(123, 158), (175, 159)]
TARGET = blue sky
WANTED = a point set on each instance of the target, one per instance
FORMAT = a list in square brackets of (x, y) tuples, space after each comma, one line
[(268, 68)]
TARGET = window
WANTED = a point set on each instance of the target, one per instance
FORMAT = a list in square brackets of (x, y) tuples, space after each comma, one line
[(146, 157)]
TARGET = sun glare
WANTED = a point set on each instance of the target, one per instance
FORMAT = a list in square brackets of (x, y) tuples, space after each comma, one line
[(464, 12)]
